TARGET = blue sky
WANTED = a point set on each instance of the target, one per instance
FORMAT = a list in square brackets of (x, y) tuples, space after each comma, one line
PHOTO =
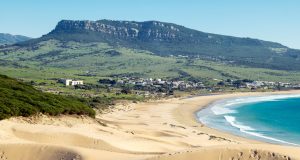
[(273, 20)]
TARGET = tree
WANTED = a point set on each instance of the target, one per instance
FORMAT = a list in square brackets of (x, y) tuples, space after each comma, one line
[(126, 90), (221, 83)]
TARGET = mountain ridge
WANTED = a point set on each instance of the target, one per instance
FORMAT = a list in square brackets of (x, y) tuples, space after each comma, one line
[(6, 38), (168, 39), (130, 29)]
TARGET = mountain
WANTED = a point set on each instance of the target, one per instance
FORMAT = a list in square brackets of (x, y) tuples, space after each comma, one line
[(90, 49), (166, 39), (20, 99), (11, 39)]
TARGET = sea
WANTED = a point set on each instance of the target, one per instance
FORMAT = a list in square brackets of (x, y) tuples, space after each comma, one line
[(272, 119)]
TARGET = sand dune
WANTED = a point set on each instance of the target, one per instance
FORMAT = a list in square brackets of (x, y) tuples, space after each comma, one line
[(154, 130), (226, 153), (36, 152)]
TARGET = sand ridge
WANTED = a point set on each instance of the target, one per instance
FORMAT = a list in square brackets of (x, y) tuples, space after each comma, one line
[(165, 129)]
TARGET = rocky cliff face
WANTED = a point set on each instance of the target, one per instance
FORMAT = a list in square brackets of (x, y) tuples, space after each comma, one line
[(153, 30)]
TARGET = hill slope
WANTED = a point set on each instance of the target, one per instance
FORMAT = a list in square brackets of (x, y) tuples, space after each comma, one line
[(11, 39), (20, 99), (89, 61), (91, 49), (167, 39)]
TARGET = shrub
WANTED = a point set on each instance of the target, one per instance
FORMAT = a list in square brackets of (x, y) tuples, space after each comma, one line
[(20, 99)]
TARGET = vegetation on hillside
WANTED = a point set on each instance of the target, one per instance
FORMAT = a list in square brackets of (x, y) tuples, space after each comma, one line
[(90, 61), (88, 50), (20, 99), (167, 39)]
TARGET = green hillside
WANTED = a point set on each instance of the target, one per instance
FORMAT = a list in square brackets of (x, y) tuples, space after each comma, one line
[(89, 50), (89, 61), (166, 39), (20, 99)]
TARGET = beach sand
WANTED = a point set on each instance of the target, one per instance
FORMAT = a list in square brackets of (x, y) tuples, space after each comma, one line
[(165, 129)]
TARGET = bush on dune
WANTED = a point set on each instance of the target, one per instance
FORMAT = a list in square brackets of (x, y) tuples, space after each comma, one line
[(20, 99)]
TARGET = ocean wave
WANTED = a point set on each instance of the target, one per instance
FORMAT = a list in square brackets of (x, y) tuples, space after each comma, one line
[(221, 115), (226, 106), (251, 131), (220, 110), (231, 120)]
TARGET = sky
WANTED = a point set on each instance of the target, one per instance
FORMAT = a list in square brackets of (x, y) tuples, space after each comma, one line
[(272, 20)]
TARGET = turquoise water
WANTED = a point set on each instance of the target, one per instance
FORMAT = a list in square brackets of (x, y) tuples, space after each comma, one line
[(273, 119)]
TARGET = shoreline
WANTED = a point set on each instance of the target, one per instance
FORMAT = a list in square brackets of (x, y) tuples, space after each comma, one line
[(194, 109), (230, 125), (158, 130), (251, 94)]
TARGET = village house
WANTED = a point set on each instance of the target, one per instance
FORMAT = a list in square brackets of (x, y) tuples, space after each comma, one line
[(155, 85), (70, 82)]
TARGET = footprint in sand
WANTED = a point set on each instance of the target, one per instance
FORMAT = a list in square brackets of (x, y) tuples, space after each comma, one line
[(2, 156)]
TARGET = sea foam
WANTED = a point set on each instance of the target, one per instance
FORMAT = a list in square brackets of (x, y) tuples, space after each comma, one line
[(227, 108), (251, 131)]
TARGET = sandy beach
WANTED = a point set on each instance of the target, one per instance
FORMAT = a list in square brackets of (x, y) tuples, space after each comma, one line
[(158, 130)]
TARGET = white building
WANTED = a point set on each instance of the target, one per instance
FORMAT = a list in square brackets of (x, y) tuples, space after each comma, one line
[(70, 82), (77, 83)]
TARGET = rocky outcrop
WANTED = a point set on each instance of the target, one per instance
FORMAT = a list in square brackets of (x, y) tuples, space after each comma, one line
[(153, 30)]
